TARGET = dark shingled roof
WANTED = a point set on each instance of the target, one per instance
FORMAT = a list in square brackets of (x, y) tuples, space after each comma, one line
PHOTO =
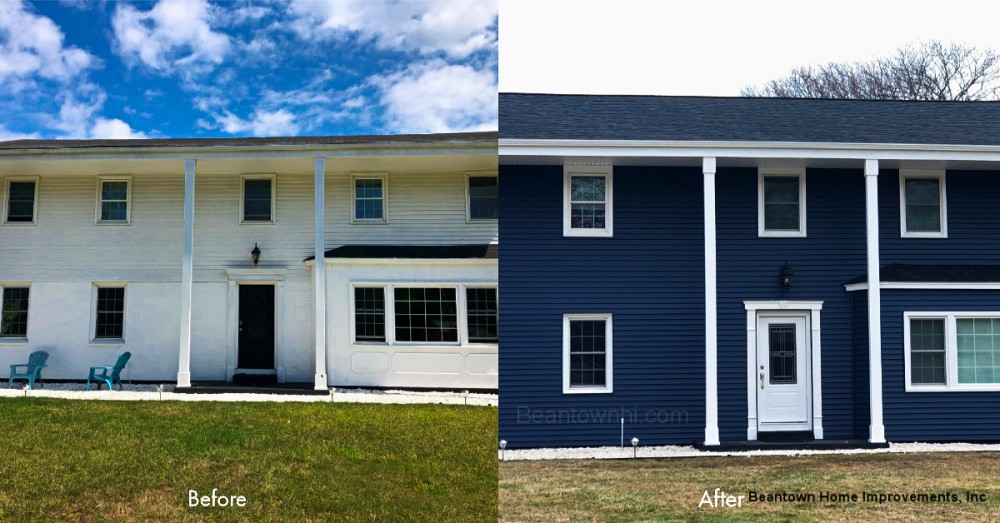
[(690, 118), (413, 251), (936, 274), (252, 142)]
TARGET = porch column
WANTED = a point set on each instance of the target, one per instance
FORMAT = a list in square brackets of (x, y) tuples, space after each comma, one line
[(319, 271), (187, 276), (876, 430), (711, 322)]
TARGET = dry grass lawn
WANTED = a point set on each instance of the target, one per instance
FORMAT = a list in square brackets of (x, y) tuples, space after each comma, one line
[(654, 490)]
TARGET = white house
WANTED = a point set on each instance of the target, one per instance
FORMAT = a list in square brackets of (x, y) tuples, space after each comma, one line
[(147, 246)]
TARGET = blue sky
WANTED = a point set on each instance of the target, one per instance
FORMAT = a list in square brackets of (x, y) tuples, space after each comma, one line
[(193, 68)]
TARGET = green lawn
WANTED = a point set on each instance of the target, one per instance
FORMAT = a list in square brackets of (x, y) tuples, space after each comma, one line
[(657, 490), (66, 460)]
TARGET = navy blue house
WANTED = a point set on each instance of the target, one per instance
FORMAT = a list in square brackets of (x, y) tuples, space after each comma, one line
[(687, 269)]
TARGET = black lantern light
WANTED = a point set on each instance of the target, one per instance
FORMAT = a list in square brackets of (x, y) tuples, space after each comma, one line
[(786, 276), (255, 254)]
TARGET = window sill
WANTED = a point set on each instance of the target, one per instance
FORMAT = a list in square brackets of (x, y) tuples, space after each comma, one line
[(19, 223), (588, 233), (13, 342), (781, 234), (587, 390), (112, 223), (925, 235), (369, 222), (958, 388), (257, 222), (107, 342)]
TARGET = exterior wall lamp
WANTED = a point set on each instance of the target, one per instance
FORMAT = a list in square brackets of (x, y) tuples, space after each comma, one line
[(255, 254), (786, 276)]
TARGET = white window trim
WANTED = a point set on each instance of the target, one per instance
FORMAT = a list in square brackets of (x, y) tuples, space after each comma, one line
[(16, 341), (769, 172), (274, 198), (608, 354), (607, 172), (104, 342), (6, 199), (950, 352), (468, 195), (390, 315), (385, 198), (922, 173), (128, 200)]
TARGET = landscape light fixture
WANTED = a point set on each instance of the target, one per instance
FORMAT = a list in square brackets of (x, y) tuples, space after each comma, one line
[(255, 254), (786, 276), (635, 444), (503, 449)]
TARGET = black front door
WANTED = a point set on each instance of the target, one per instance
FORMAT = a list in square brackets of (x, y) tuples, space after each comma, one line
[(256, 341)]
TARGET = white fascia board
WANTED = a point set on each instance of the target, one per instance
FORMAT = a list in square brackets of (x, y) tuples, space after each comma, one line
[(271, 151), (745, 149), (912, 285)]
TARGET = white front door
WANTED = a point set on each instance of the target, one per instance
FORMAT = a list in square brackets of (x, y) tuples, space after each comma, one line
[(783, 379)]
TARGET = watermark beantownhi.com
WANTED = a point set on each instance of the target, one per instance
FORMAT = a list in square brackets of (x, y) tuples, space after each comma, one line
[(586, 416)]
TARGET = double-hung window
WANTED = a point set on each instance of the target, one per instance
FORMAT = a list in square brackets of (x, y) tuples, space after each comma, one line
[(587, 361), (369, 199), (21, 200), (587, 201), (113, 195), (109, 313), (952, 351), (14, 312), (483, 200), (923, 210), (257, 199), (781, 203), (426, 315)]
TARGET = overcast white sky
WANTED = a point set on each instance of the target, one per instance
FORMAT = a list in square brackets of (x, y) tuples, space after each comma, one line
[(712, 47)]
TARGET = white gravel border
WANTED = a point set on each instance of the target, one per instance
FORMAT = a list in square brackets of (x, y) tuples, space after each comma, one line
[(678, 451), (148, 392)]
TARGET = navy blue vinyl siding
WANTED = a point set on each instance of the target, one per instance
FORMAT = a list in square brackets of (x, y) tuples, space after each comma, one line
[(649, 276), (749, 267), (932, 416), (862, 388)]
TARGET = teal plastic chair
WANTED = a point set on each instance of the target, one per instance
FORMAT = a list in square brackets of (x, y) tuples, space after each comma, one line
[(33, 369), (109, 374)]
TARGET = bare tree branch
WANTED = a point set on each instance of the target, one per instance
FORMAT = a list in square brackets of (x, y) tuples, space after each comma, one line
[(927, 71)]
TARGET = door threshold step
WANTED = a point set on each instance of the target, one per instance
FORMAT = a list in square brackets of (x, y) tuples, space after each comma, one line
[(819, 444)]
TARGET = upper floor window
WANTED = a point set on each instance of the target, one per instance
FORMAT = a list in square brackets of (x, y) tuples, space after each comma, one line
[(587, 201), (257, 199), (113, 195), (22, 200), (483, 197), (923, 210), (587, 363), (952, 351), (14, 312), (369, 199), (781, 202)]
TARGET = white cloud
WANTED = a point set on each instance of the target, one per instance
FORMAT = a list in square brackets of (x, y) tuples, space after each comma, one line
[(7, 135), (457, 28), (263, 123), (33, 45), (174, 33), (114, 129), (439, 97)]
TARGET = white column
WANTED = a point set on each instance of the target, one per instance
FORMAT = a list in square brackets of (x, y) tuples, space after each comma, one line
[(711, 321), (877, 429), (319, 271), (187, 277)]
